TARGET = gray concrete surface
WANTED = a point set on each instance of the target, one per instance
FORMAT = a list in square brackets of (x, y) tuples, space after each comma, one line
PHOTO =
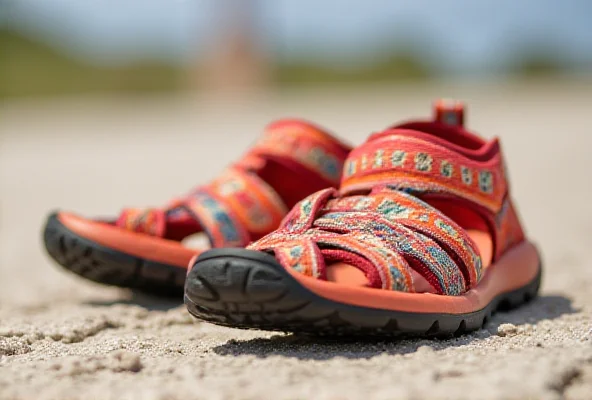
[(64, 338)]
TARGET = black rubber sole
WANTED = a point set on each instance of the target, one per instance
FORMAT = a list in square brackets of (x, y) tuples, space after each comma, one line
[(249, 290), (108, 266)]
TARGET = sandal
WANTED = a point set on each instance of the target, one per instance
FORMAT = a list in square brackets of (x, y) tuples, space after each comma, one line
[(422, 238), (142, 248)]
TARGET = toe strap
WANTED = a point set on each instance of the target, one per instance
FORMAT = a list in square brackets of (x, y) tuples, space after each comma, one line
[(151, 221), (229, 210), (392, 232)]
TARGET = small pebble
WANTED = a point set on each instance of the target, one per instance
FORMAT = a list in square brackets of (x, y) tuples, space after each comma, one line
[(507, 330)]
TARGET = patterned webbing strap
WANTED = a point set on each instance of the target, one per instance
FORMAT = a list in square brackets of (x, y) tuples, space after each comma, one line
[(304, 144), (143, 220), (234, 206), (410, 163), (229, 210), (386, 234), (239, 204)]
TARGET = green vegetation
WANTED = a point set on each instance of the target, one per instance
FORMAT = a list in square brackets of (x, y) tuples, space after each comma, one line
[(32, 68), (537, 63), (29, 68), (399, 66)]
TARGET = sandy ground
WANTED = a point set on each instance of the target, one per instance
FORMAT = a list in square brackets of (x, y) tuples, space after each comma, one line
[(64, 338)]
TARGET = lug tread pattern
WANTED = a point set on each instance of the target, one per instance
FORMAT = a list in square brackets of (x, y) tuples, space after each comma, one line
[(254, 292), (108, 266)]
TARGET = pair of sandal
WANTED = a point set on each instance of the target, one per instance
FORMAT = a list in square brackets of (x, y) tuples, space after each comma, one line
[(421, 237)]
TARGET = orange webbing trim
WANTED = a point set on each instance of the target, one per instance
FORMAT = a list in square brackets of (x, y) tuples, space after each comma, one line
[(412, 163), (305, 144)]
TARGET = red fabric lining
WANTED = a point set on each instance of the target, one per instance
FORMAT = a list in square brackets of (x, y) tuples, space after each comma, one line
[(338, 255), (452, 134), (454, 138), (179, 229), (301, 181)]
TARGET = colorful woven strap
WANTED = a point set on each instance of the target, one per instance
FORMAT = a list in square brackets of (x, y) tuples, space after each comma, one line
[(377, 222), (239, 205), (386, 234), (235, 206), (405, 161), (229, 210), (304, 144), (151, 221)]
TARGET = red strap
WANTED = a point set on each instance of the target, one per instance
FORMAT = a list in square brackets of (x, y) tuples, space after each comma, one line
[(394, 231), (230, 209), (411, 163), (219, 221), (304, 144), (449, 112), (236, 205), (240, 206), (151, 221)]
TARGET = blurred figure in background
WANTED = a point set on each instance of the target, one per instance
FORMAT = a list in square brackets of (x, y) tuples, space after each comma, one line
[(234, 57)]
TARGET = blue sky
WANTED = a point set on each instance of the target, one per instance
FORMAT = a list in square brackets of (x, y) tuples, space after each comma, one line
[(455, 34)]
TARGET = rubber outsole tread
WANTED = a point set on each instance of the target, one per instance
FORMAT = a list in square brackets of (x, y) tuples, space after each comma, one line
[(250, 290), (108, 266)]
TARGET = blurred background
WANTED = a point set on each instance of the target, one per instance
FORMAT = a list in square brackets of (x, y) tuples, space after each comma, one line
[(106, 104), (57, 47)]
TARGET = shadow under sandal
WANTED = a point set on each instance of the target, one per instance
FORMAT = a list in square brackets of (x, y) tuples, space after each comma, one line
[(421, 239), (142, 248)]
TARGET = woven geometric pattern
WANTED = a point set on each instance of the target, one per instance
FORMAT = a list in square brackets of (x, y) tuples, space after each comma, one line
[(380, 220), (239, 204), (412, 163), (394, 231)]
